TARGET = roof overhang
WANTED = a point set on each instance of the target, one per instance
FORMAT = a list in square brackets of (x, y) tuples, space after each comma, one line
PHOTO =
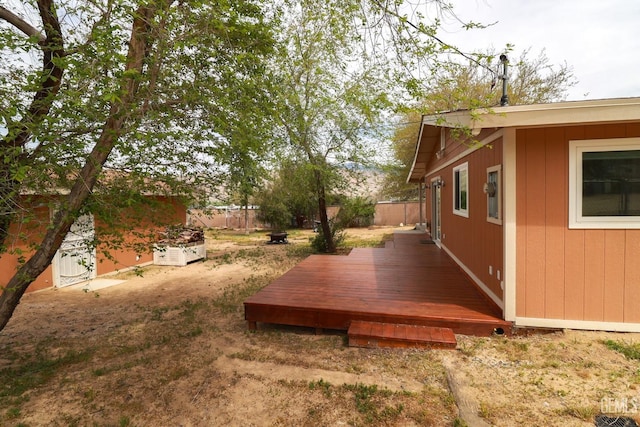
[(617, 110), (428, 137)]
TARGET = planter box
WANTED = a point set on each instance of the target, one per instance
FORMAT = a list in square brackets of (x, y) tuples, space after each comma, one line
[(179, 255)]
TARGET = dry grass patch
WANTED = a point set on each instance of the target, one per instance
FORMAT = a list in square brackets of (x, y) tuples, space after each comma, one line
[(172, 348), (550, 379)]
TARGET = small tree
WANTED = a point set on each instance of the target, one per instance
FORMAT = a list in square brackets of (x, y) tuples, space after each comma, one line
[(331, 89), (275, 212), (403, 142), (288, 197), (472, 85)]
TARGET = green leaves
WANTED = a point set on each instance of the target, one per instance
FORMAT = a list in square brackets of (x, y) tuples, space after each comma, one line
[(202, 79), (466, 86)]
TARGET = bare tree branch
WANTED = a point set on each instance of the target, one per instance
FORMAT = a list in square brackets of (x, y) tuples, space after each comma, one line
[(441, 42), (52, 49), (21, 24)]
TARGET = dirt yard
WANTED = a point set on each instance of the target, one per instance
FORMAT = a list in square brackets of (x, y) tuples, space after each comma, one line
[(171, 348)]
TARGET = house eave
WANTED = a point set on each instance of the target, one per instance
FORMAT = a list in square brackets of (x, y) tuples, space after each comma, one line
[(601, 111), (427, 139), (558, 113)]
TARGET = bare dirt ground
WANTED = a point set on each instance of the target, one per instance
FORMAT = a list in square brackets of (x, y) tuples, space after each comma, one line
[(171, 348)]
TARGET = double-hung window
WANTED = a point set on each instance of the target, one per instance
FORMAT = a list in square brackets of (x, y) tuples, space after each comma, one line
[(461, 190), (604, 183), (493, 190)]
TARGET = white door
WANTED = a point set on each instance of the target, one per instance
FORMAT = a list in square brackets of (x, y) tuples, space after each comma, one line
[(436, 210), (75, 261)]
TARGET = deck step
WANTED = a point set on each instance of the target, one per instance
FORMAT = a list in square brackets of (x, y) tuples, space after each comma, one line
[(375, 334)]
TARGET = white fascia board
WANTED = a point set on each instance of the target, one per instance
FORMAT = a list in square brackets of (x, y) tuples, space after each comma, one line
[(588, 325), (415, 154), (558, 113)]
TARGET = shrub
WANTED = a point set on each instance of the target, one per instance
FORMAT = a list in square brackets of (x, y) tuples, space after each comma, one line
[(356, 212), (319, 243)]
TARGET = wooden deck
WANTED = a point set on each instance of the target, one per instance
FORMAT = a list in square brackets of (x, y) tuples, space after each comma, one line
[(410, 281)]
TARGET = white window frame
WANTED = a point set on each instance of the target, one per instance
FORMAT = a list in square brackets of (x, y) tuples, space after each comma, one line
[(576, 149), (497, 170), (459, 169)]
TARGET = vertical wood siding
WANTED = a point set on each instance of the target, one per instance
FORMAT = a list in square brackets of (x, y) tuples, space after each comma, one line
[(477, 243), (591, 275), (632, 277)]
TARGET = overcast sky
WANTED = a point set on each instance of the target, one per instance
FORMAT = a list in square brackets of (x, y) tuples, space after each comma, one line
[(600, 39)]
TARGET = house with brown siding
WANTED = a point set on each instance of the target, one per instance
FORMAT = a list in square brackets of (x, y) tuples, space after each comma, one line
[(75, 261), (540, 206)]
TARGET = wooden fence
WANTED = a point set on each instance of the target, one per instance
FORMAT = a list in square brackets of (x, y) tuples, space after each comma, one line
[(386, 214)]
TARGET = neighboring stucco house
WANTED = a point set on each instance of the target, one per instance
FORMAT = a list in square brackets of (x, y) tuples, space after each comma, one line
[(541, 208), (75, 262)]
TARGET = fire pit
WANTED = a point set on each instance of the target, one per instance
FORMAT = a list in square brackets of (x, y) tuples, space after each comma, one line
[(279, 237)]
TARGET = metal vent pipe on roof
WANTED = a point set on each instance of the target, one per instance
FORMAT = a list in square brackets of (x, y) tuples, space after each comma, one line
[(504, 100)]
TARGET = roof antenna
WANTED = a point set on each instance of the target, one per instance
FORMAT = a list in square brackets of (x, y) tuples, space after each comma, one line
[(504, 100)]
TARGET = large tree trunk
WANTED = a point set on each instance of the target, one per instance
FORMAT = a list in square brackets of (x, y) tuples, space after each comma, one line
[(246, 217), (324, 218), (139, 46)]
